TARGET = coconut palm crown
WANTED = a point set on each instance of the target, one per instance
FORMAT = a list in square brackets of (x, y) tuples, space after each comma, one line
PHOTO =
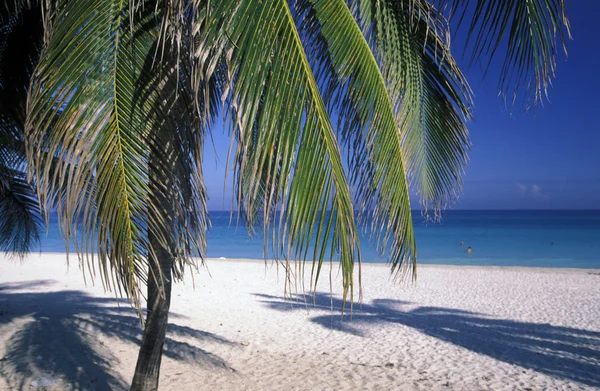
[(335, 108)]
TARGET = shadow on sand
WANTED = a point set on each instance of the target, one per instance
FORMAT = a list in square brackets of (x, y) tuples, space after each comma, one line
[(563, 352), (61, 334)]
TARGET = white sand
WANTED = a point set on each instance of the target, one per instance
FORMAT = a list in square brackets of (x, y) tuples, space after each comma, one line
[(459, 328)]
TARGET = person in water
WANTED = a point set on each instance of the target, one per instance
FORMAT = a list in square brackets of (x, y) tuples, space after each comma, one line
[(462, 243), (469, 250)]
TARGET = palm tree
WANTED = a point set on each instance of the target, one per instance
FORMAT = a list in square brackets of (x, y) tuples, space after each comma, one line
[(124, 92)]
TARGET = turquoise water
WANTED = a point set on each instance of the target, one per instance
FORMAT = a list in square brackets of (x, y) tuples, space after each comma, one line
[(499, 238)]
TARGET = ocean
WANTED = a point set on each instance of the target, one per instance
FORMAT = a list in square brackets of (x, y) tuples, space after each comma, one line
[(556, 238)]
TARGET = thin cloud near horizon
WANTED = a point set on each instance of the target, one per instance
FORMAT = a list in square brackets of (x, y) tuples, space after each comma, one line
[(534, 191)]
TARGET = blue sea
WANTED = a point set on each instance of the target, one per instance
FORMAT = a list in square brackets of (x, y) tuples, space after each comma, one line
[(497, 238)]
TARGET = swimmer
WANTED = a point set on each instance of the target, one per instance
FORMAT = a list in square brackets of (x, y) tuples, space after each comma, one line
[(469, 250), (462, 243)]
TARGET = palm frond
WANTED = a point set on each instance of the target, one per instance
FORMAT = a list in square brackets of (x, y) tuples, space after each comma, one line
[(287, 156), (20, 220), (85, 111), (431, 97), (177, 154), (115, 107), (366, 115), (527, 34)]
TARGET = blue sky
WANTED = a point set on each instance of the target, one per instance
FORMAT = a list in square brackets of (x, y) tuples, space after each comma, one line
[(547, 159)]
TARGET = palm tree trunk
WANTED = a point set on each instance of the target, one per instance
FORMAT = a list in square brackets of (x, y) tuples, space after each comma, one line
[(147, 369)]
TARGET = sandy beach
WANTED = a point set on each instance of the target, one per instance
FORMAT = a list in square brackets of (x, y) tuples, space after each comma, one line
[(457, 328)]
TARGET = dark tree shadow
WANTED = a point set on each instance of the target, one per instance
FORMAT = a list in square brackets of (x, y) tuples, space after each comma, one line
[(57, 331), (563, 352)]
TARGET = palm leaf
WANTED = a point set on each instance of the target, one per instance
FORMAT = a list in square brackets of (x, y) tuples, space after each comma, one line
[(527, 34), (367, 120), (433, 96), (20, 220), (84, 111), (287, 156), (115, 104)]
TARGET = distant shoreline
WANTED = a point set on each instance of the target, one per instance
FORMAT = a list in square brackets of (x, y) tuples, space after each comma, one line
[(561, 239)]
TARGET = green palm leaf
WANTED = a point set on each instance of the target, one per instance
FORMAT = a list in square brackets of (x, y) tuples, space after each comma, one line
[(287, 156), (368, 125), (20, 220), (118, 115), (400, 98), (84, 109), (433, 96), (527, 34)]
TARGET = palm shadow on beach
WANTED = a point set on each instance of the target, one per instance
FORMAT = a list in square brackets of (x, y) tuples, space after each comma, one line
[(563, 352), (62, 334)]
